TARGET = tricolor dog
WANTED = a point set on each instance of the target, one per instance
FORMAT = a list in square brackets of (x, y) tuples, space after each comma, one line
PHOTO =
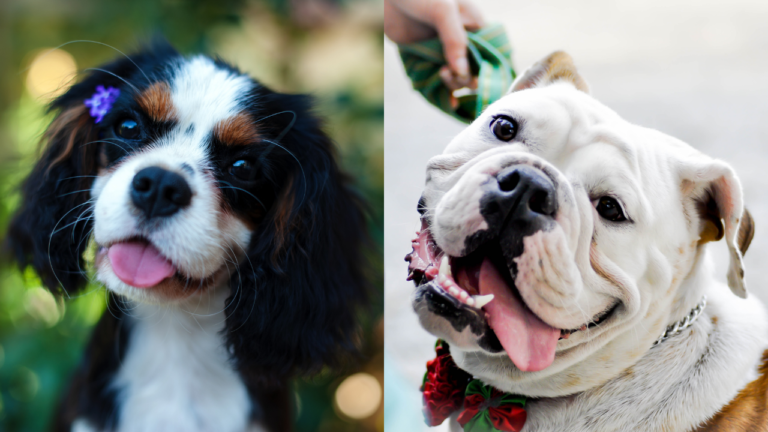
[(229, 241), (563, 257)]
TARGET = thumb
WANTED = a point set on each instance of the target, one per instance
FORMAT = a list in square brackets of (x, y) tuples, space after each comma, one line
[(450, 29)]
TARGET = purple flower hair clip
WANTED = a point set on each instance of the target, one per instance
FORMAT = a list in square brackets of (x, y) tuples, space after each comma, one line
[(101, 101)]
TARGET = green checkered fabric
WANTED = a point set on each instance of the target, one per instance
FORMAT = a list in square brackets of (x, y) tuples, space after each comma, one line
[(489, 59)]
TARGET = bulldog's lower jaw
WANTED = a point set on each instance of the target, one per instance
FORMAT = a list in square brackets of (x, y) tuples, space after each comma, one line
[(505, 326)]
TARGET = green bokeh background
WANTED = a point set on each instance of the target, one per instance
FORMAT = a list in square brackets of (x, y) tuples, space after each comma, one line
[(330, 48)]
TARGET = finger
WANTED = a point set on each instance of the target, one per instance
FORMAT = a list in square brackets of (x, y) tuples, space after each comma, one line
[(453, 102), (451, 32), (401, 28), (452, 80), (471, 17), (449, 78)]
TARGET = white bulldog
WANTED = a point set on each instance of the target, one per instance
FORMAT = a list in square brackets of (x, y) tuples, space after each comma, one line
[(558, 244)]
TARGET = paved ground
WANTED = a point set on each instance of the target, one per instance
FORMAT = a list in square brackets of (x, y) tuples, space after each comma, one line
[(697, 70)]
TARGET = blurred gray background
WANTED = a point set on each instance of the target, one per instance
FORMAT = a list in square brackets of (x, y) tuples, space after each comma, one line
[(693, 69)]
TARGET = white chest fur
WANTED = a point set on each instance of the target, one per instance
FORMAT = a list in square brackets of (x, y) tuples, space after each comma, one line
[(176, 375), (677, 385)]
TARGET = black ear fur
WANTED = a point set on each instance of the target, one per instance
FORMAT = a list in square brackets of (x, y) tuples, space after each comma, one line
[(295, 299), (49, 231)]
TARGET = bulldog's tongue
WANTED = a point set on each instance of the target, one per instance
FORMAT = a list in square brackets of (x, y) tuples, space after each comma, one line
[(139, 264), (529, 341)]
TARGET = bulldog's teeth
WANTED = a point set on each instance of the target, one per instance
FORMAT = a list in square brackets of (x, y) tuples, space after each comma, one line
[(463, 296), (482, 300), (454, 291), (441, 279), (470, 301), (445, 266)]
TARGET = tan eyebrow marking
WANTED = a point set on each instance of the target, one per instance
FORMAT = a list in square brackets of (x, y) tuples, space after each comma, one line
[(237, 130), (157, 102)]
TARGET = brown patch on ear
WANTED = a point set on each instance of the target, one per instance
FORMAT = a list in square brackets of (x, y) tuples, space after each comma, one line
[(712, 224), (746, 232), (237, 130), (558, 66), (157, 102), (71, 126), (283, 222)]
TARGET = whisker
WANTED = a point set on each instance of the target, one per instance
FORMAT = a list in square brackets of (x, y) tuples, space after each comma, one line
[(72, 193), (90, 201), (116, 76), (301, 167), (86, 41), (76, 177), (50, 240), (107, 142), (287, 128), (230, 186)]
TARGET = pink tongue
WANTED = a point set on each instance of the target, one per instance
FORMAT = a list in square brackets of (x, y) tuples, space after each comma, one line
[(139, 264), (529, 342)]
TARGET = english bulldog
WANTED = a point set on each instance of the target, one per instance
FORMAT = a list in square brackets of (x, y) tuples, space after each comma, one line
[(563, 257)]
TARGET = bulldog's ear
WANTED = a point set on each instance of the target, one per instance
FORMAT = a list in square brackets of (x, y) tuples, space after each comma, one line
[(746, 231), (557, 66), (718, 199)]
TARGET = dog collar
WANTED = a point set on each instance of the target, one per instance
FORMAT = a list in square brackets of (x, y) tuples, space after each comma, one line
[(447, 389), (678, 327)]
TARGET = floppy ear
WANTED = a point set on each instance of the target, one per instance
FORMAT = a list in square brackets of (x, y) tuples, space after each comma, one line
[(557, 66), (50, 229), (717, 196), (746, 231), (295, 299)]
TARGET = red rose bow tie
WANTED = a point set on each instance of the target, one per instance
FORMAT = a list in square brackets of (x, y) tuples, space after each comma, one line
[(447, 389)]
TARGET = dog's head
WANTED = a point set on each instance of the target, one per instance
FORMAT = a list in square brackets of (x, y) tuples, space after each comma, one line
[(558, 240), (186, 176)]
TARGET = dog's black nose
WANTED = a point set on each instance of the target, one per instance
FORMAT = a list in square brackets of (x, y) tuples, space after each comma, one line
[(522, 196), (158, 192)]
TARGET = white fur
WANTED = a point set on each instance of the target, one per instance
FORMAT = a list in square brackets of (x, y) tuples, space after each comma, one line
[(176, 375), (200, 239), (605, 378), (675, 386), (204, 94)]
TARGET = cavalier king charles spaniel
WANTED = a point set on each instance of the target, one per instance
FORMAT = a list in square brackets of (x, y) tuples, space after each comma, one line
[(229, 241)]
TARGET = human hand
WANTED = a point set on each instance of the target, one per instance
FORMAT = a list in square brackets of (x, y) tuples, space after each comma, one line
[(407, 21)]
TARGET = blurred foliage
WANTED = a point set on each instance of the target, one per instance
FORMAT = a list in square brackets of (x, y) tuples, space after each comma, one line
[(330, 48)]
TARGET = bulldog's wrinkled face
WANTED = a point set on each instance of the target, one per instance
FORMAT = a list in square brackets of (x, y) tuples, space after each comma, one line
[(557, 238)]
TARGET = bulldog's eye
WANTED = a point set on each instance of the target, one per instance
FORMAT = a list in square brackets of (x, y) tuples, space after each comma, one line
[(243, 170), (504, 128), (610, 209), (128, 129)]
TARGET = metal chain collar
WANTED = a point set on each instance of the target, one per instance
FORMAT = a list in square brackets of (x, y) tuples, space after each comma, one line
[(684, 323)]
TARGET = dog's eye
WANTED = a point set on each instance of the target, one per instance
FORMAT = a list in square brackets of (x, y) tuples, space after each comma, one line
[(128, 129), (243, 170), (504, 128), (610, 209)]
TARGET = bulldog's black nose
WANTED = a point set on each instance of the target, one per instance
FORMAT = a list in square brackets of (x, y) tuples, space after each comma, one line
[(158, 192), (521, 196)]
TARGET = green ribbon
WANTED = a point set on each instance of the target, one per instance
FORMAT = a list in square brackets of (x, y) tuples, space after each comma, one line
[(481, 420), (489, 54)]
